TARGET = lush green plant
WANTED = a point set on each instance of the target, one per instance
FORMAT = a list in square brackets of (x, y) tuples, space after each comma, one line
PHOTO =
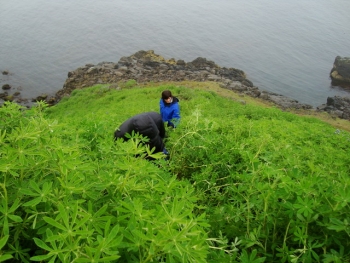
[(244, 183), (67, 199), (276, 181)]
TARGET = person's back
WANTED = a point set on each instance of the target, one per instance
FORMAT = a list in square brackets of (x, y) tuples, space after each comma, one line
[(148, 124), (169, 108)]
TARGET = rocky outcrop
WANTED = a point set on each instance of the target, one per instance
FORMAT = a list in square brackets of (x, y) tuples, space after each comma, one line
[(5, 96), (337, 106), (340, 72), (145, 66)]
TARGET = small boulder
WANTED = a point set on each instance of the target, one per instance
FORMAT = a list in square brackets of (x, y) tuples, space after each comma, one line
[(181, 62), (51, 100), (341, 69), (6, 87), (3, 95), (39, 98), (9, 98)]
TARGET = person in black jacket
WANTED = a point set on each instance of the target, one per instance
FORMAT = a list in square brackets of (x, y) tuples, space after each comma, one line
[(148, 124)]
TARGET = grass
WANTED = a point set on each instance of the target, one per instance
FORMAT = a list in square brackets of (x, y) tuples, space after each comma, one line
[(246, 182), (213, 86)]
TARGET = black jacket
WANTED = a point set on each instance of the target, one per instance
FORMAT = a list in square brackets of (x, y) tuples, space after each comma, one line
[(149, 124)]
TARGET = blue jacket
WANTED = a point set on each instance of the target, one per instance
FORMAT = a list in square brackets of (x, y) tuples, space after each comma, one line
[(170, 112)]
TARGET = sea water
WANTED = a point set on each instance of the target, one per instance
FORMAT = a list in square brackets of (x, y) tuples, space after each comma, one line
[(286, 47)]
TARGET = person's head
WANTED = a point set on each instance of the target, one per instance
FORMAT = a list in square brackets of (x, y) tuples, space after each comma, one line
[(118, 134), (167, 96)]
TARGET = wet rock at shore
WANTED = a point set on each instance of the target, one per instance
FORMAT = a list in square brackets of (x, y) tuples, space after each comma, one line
[(146, 66), (3, 95), (41, 97), (340, 73), (6, 87), (337, 106)]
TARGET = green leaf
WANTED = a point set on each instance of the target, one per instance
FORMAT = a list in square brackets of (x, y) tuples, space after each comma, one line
[(54, 223), (113, 233), (40, 258), (338, 225), (78, 260), (246, 258), (52, 260), (27, 191), (47, 187), (15, 218), (101, 211), (314, 254), (64, 215), (3, 241), (82, 221), (14, 206), (5, 257), (13, 173), (54, 238), (35, 186), (109, 258), (33, 202), (5, 228), (42, 244)]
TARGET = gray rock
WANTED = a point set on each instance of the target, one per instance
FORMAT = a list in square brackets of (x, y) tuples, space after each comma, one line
[(180, 62), (6, 87), (339, 106), (341, 69), (3, 95), (213, 77), (145, 66), (238, 86), (92, 70)]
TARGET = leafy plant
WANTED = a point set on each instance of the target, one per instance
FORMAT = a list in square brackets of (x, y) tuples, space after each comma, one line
[(243, 184)]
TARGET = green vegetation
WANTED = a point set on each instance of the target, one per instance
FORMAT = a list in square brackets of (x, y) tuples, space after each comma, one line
[(244, 183)]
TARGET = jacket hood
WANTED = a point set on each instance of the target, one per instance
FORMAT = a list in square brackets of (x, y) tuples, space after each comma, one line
[(175, 100)]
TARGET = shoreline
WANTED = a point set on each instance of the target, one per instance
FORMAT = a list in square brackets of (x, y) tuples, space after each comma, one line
[(146, 66)]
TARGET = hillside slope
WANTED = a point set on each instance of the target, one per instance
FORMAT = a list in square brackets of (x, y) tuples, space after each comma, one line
[(244, 183)]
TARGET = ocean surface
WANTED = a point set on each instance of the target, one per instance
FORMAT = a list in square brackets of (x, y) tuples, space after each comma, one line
[(287, 47)]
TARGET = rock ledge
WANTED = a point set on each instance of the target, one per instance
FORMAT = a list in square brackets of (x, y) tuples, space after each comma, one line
[(145, 66)]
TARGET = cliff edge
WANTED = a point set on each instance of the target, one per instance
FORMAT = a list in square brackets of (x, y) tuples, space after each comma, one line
[(146, 66)]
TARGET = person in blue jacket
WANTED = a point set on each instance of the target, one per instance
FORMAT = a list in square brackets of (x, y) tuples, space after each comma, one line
[(170, 109)]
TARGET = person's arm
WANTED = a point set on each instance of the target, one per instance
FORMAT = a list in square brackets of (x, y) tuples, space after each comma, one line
[(176, 115), (161, 108), (161, 128), (125, 127), (158, 143)]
